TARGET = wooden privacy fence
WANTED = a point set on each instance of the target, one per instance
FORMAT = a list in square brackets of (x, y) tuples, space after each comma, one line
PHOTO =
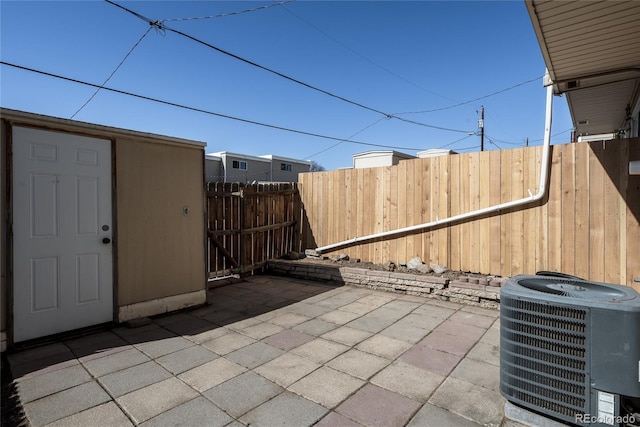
[(586, 225), (250, 224)]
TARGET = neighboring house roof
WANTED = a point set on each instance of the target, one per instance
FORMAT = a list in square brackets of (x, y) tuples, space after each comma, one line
[(592, 52), (285, 159), (377, 158), (239, 156), (434, 152)]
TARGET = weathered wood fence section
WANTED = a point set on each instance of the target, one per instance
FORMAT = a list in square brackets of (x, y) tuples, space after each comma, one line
[(250, 224), (587, 225)]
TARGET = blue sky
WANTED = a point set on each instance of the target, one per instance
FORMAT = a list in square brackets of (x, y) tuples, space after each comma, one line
[(394, 59)]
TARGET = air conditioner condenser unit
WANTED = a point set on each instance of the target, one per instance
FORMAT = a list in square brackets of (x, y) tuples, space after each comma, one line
[(570, 349)]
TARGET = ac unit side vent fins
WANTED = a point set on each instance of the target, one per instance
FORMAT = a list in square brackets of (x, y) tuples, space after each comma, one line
[(574, 388), (551, 406), (545, 369), (554, 310), (545, 320), (552, 359), (538, 391), (545, 334)]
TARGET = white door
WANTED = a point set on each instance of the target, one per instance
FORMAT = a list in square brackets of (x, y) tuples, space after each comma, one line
[(62, 266)]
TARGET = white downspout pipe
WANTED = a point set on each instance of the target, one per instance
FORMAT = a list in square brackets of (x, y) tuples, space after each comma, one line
[(542, 188)]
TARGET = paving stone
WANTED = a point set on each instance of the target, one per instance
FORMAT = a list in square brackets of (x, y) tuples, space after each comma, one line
[(261, 330), (401, 306), (36, 387), (65, 403), (422, 321), (326, 386), (309, 310), (333, 419), (339, 317), (472, 319), (478, 373), (224, 316), (431, 415), (315, 327), (196, 412), (285, 409), (433, 310), (287, 369), (431, 360), (228, 342), (38, 353), (157, 348), (473, 402), (375, 406), (41, 360), (492, 336), (482, 311), (133, 378), (168, 319), (155, 399), (254, 354), (320, 350), (243, 393), (408, 381), (288, 320), (192, 325), (485, 353), (359, 364), (288, 339), (376, 299), (211, 374), (244, 323), (389, 314), (332, 302), (384, 346), (358, 308), (370, 323), (346, 335), (115, 362), (95, 343), (460, 329), (107, 414), (127, 332), (404, 332), (453, 344), (183, 360)]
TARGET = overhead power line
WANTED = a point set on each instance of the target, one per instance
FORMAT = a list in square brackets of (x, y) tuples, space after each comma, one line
[(362, 56), (471, 100), (223, 15), (112, 73), (347, 139), (161, 26), (200, 110)]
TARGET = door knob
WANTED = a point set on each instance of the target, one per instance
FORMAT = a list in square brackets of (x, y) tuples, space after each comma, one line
[(106, 240)]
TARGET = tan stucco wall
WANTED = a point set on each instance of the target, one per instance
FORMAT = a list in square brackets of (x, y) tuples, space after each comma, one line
[(160, 249)]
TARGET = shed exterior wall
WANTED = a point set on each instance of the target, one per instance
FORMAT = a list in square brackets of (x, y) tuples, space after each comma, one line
[(160, 249)]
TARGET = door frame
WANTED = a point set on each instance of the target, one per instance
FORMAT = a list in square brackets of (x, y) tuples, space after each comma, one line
[(9, 124)]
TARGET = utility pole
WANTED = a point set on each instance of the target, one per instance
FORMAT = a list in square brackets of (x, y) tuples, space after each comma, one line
[(526, 143), (481, 126)]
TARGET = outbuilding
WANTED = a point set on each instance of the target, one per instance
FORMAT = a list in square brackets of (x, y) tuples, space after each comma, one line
[(99, 225)]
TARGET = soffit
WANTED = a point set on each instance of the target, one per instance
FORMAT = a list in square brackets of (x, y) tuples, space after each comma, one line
[(592, 51)]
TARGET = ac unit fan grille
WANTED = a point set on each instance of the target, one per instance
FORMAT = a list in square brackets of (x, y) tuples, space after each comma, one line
[(544, 356)]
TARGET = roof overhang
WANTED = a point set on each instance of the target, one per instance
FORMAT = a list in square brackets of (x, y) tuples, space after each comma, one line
[(592, 51)]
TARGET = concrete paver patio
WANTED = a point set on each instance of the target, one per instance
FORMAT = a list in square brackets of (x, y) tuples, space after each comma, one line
[(273, 351)]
